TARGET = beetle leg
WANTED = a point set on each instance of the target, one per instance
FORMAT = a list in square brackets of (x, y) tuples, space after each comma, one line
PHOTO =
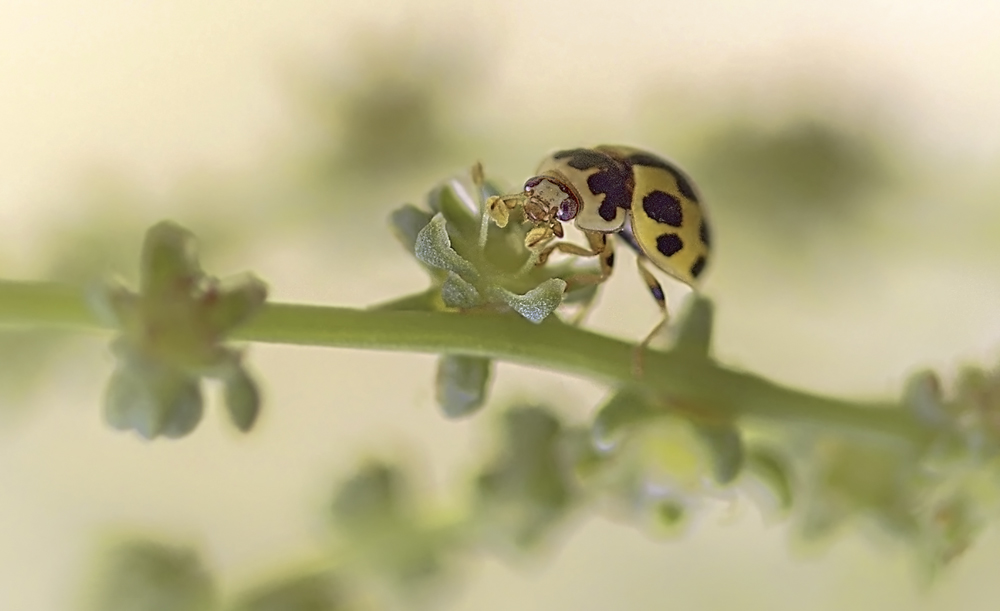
[(657, 292), (600, 247)]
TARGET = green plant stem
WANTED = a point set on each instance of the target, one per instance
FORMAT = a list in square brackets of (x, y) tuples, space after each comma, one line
[(693, 382)]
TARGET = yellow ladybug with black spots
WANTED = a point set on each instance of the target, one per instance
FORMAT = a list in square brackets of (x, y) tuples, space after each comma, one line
[(648, 201)]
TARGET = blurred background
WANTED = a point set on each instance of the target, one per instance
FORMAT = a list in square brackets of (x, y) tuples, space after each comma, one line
[(848, 151)]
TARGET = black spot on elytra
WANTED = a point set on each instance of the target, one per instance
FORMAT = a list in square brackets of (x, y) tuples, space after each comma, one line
[(617, 190), (697, 267), (663, 208), (704, 234), (613, 179), (583, 159), (646, 159), (652, 161), (610, 260), (669, 244), (657, 292)]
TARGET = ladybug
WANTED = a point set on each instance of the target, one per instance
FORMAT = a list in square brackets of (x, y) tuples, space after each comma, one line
[(646, 200)]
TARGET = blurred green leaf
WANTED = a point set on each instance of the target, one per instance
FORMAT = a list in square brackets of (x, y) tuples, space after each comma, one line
[(771, 469), (231, 303), (462, 383), (376, 494), (693, 332), (172, 335), (146, 576), (396, 105), (725, 446), (529, 486), (851, 478), (242, 398), (316, 592), (922, 395), (456, 199), (151, 399), (804, 174), (169, 261), (406, 223), (622, 411), (670, 513), (386, 533)]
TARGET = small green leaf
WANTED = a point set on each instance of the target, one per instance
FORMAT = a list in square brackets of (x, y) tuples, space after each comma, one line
[(111, 302), (456, 200), (433, 247), (462, 383), (852, 476), (693, 334), (670, 513), (725, 446), (145, 576), (528, 487), (242, 398), (772, 470), (457, 293), (378, 518), (406, 223), (922, 395), (152, 401), (624, 409), (169, 260), (539, 302), (172, 334), (234, 302), (374, 496)]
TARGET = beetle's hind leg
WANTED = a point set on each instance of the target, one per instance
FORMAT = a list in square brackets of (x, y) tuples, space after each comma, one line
[(656, 290)]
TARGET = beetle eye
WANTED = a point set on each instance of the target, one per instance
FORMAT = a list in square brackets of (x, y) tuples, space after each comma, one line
[(532, 183), (568, 210)]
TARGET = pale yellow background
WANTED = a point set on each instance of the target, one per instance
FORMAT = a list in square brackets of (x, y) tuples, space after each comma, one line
[(164, 90)]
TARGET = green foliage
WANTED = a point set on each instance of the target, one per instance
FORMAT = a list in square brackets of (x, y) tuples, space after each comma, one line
[(171, 336), (147, 576), (474, 264), (394, 107), (462, 384), (726, 449), (242, 397), (310, 592), (693, 332), (772, 470), (384, 528), (663, 449), (528, 487), (799, 176), (144, 575)]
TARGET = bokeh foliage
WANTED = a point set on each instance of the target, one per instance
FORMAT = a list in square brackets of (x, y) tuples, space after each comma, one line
[(646, 457), (642, 459)]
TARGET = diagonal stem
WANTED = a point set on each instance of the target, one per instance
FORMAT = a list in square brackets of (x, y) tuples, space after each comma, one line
[(552, 345)]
